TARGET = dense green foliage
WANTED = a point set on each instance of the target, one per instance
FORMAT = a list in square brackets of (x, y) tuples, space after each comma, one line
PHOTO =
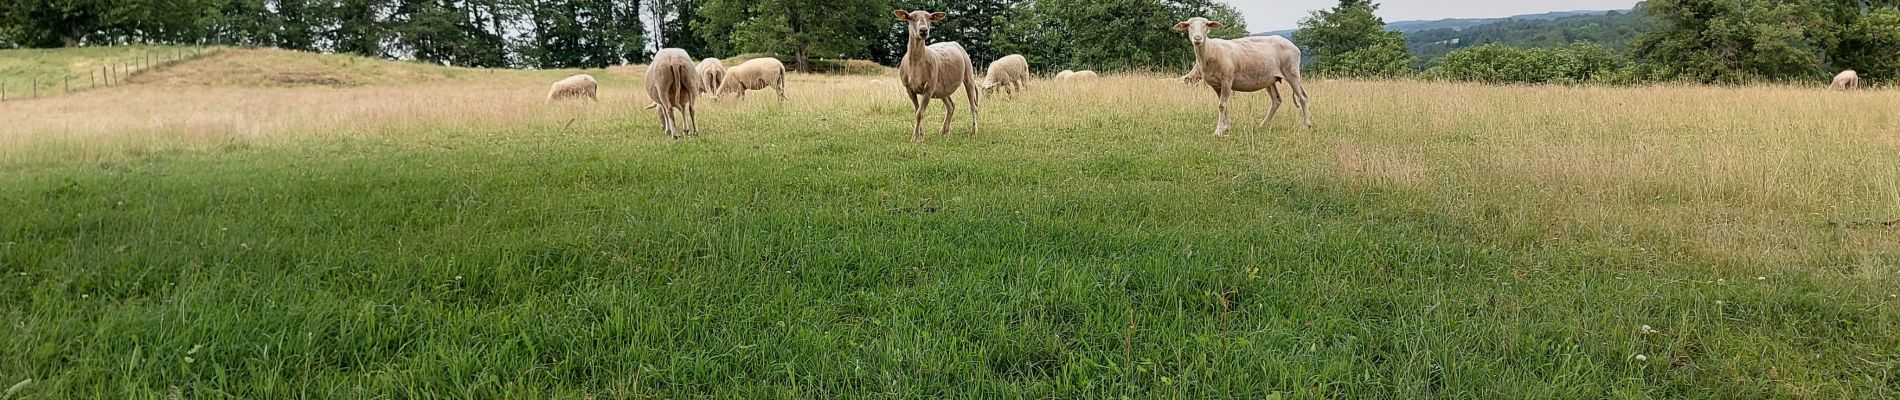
[(1732, 41), (1492, 63), (594, 33), (1614, 30), (1350, 40)]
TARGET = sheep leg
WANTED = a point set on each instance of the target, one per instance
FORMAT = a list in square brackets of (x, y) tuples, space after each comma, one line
[(692, 120), (1220, 129), (666, 120), (951, 105), (917, 128), (1273, 92), (1300, 99), (969, 88)]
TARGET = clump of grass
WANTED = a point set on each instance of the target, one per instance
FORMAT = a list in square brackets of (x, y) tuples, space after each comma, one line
[(461, 237)]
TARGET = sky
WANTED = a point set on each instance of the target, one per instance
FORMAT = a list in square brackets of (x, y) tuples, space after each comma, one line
[(1268, 15)]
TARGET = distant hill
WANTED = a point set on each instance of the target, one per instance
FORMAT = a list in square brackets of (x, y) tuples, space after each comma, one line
[(1460, 23), (1615, 30), (1430, 40)]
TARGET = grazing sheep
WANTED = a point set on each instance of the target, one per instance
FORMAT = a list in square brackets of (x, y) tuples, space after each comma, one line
[(1065, 75), (935, 72), (1011, 73), (755, 74), (576, 86), (711, 73), (1847, 80), (672, 83), (1083, 74), (1245, 65)]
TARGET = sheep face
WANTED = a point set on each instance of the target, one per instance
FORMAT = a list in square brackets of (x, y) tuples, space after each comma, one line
[(1197, 29), (920, 22)]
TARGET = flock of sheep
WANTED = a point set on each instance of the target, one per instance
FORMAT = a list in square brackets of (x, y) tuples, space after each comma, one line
[(937, 71)]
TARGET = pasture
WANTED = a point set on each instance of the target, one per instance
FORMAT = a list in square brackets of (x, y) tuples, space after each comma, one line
[(266, 224)]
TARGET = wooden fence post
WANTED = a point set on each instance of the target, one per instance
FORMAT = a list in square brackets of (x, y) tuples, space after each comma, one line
[(69, 84), (36, 87), (3, 91)]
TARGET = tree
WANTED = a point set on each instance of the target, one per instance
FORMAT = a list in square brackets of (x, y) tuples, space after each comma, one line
[(585, 34), (1868, 46), (801, 28), (1733, 41), (57, 23), (449, 32), (1350, 40)]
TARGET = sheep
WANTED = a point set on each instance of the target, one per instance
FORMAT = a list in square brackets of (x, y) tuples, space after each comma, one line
[(755, 74), (1069, 75), (576, 86), (672, 83), (1011, 73), (1245, 65), (1847, 80), (935, 72), (711, 74)]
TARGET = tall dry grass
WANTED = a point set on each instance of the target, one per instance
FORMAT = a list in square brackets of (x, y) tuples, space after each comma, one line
[(1754, 177)]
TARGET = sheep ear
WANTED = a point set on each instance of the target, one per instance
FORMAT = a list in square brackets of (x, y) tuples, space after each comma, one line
[(902, 15), (1214, 25), (1181, 26), (935, 17)]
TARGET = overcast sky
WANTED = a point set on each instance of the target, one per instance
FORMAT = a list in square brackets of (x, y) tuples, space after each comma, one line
[(1268, 15)]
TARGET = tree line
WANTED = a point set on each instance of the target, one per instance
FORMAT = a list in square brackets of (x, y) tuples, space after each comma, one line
[(1702, 41), (1054, 34)]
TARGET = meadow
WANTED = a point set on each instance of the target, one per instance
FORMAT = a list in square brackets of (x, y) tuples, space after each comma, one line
[(267, 224)]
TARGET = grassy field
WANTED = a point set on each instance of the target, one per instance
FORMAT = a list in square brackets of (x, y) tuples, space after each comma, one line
[(88, 67), (448, 234)]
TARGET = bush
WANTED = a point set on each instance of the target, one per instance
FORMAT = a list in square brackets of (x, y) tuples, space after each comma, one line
[(1574, 64)]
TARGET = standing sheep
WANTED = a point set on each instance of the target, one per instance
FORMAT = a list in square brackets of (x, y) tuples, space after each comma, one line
[(711, 73), (1847, 80), (1011, 73), (1065, 75), (1245, 65), (576, 86), (672, 83), (755, 74), (1083, 74), (935, 72)]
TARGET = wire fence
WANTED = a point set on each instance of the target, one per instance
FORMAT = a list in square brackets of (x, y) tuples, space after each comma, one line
[(115, 72)]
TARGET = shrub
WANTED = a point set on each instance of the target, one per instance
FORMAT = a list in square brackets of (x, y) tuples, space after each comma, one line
[(1574, 64)]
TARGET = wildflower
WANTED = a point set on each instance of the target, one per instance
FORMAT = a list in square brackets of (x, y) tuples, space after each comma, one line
[(1640, 357), (1648, 331)]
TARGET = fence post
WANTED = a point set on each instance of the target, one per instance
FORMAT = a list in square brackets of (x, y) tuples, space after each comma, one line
[(36, 87), (92, 81), (69, 84), (3, 91)]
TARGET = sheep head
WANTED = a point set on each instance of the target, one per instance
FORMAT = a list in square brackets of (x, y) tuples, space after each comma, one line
[(1197, 29), (920, 22)]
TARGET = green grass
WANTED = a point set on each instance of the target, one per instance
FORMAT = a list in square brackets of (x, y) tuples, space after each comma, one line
[(1091, 243), (20, 69)]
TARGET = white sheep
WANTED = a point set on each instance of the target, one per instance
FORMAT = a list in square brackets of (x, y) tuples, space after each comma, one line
[(755, 74), (1244, 65), (576, 86), (1847, 80), (1011, 73), (1076, 75), (672, 83), (1065, 75), (935, 72), (711, 73)]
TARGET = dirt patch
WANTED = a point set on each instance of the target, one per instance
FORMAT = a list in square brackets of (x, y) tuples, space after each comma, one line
[(304, 79)]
